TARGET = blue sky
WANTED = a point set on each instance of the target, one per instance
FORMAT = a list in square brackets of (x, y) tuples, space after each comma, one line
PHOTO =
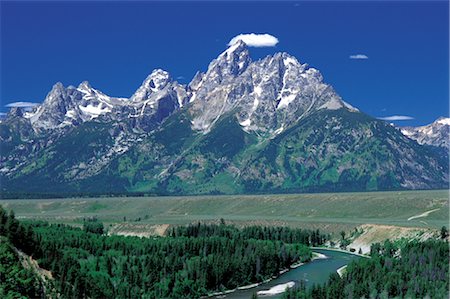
[(115, 45)]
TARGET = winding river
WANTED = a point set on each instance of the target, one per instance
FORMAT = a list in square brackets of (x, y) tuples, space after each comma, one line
[(313, 272)]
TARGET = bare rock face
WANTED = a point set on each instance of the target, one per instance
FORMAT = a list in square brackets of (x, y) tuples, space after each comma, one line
[(268, 95)]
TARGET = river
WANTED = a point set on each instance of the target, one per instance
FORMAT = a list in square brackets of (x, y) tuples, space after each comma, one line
[(313, 272)]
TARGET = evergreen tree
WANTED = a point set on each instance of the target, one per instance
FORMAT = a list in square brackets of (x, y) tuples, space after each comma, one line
[(444, 232)]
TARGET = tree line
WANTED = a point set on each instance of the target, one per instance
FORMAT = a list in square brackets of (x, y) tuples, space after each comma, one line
[(273, 233)]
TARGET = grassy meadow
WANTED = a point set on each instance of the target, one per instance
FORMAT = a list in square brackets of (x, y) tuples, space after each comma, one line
[(328, 211)]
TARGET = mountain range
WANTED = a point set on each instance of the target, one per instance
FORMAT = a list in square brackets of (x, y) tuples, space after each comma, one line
[(242, 126)]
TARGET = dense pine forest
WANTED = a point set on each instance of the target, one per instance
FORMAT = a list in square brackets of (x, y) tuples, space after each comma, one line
[(190, 262), (196, 260), (411, 270), (283, 234), (16, 280)]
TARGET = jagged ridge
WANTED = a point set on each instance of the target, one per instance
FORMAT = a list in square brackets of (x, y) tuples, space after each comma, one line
[(242, 126)]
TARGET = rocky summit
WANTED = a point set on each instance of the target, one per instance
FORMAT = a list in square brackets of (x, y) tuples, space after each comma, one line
[(242, 126)]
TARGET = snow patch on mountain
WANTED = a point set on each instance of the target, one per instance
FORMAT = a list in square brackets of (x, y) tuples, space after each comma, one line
[(333, 104), (246, 123), (444, 121), (154, 83), (93, 111), (71, 113), (350, 107)]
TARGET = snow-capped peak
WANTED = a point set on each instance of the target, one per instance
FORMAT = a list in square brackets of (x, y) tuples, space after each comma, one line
[(84, 86), (53, 97), (238, 47), (155, 82), (269, 95), (58, 87), (290, 60), (234, 60), (158, 79), (436, 133), (228, 65), (443, 121)]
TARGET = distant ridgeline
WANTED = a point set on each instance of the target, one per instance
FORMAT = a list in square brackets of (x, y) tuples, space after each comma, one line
[(243, 126)]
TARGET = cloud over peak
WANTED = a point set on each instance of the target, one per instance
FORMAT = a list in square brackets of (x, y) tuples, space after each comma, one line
[(396, 117), (255, 40), (359, 56)]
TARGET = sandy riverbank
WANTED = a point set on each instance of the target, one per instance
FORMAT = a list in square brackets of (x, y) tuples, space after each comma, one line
[(341, 270), (278, 289), (340, 250)]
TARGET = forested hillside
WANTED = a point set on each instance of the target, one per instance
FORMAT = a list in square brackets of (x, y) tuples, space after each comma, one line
[(16, 281), (412, 270), (189, 263)]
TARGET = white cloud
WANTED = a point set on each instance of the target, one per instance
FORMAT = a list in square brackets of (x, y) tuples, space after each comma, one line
[(2, 114), (396, 117), (359, 56), (22, 104), (255, 40)]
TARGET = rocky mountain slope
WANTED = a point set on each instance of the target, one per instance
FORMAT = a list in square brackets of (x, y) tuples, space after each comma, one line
[(243, 126), (436, 133), (155, 99)]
